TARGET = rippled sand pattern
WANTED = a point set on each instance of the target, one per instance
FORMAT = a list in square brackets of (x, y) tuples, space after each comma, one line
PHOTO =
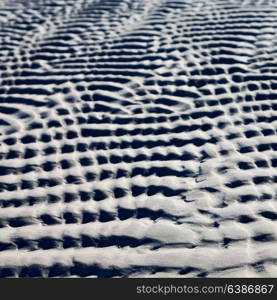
[(138, 138)]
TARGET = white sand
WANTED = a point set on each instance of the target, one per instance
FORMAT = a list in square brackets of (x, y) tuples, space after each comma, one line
[(138, 138)]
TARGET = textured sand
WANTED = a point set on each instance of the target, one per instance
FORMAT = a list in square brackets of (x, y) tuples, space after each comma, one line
[(138, 138)]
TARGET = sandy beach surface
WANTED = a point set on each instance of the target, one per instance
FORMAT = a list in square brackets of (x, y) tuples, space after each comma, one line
[(138, 138)]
